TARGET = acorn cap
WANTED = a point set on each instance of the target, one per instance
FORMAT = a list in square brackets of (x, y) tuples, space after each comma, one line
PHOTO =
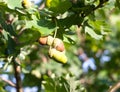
[(50, 40)]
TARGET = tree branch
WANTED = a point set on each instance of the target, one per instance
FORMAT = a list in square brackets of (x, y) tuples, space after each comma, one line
[(115, 87), (98, 6), (17, 69), (8, 82), (42, 6)]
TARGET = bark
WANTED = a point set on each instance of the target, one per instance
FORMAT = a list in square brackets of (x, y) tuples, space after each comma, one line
[(17, 70)]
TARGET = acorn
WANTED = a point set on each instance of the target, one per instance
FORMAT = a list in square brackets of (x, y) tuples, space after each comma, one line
[(58, 56), (58, 44), (43, 40)]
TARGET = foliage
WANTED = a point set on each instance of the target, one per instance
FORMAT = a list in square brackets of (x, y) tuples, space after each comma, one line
[(68, 20), (61, 84)]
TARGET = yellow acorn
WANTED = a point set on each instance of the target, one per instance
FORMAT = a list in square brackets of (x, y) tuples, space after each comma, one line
[(57, 55), (50, 40), (47, 3), (26, 3)]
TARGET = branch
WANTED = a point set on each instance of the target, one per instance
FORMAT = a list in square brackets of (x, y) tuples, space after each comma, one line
[(115, 87), (17, 69), (42, 6), (8, 82), (98, 6)]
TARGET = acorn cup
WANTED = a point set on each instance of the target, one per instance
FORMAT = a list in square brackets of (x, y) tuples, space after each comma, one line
[(58, 56), (50, 40), (46, 40)]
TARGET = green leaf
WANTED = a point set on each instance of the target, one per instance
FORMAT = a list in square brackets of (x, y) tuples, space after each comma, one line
[(98, 24), (1, 0), (70, 20), (61, 84), (45, 27), (49, 84), (11, 45), (2, 22), (2, 89), (31, 34), (117, 3), (5, 34), (92, 33), (57, 6), (14, 4), (69, 39), (11, 30), (31, 80)]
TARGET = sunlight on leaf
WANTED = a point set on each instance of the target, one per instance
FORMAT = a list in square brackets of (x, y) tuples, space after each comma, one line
[(12, 4), (43, 26), (92, 33)]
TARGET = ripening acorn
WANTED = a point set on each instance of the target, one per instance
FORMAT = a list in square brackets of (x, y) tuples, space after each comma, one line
[(43, 40), (58, 44), (58, 56), (50, 40), (26, 3)]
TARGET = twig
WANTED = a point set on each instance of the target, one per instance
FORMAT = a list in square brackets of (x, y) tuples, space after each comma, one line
[(8, 82), (17, 69), (85, 81), (42, 6), (55, 28), (115, 87)]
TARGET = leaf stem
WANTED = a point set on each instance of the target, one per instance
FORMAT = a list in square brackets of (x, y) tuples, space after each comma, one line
[(55, 20), (55, 28)]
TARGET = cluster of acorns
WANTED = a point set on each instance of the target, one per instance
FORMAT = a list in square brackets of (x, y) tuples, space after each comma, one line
[(57, 49)]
